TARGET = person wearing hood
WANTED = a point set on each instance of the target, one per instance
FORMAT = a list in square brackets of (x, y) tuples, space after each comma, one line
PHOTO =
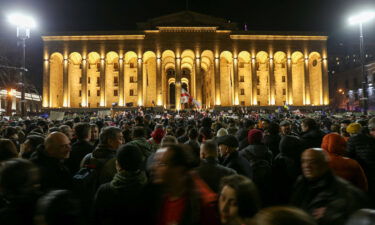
[(260, 159), (118, 201), (311, 135), (286, 168), (346, 168), (141, 142)]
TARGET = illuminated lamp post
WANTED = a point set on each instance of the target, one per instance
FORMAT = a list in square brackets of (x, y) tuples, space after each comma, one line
[(360, 19), (24, 24)]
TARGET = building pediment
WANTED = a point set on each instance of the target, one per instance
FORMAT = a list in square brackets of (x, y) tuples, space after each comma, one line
[(187, 19)]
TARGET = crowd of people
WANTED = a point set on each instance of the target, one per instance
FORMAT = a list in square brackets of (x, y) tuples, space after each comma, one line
[(209, 168)]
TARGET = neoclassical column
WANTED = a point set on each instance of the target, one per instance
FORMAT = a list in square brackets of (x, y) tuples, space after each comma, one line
[(66, 83), (235, 81), (140, 81), (178, 82), (159, 90), (121, 82), (271, 81), (198, 79), (46, 83), (217, 81), (254, 82), (307, 83), (102, 82), (325, 84), (289, 81), (84, 102)]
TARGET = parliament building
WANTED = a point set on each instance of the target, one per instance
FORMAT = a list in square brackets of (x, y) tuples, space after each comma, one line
[(213, 59)]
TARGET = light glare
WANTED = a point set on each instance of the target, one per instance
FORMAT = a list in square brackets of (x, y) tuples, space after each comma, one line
[(21, 20), (361, 18)]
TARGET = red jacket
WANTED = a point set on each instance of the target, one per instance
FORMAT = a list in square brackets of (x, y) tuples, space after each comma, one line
[(344, 167)]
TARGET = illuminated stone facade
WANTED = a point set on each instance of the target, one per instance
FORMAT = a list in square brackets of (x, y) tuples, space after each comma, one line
[(218, 64)]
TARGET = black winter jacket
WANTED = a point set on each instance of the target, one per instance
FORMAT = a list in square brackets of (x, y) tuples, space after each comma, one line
[(238, 163)]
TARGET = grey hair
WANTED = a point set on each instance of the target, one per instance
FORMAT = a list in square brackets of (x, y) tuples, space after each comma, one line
[(108, 133)]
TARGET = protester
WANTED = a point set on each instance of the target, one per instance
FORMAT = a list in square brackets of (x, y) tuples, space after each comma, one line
[(30, 145), (8, 150), (231, 158), (311, 136), (282, 215), (238, 200), (210, 170), (328, 198)]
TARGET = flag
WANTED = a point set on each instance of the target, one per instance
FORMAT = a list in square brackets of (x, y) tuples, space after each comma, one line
[(185, 96)]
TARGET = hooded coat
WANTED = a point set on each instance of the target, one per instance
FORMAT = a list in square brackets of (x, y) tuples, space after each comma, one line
[(344, 167), (286, 168)]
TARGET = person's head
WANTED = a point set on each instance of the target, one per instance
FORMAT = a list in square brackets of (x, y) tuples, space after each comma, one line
[(254, 137), (167, 140), (265, 124), (67, 130), (193, 134), (139, 120), (172, 164), (354, 129), (291, 146), (334, 143), (8, 150), (371, 127), (208, 149), (138, 132), (362, 217), (111, 137), (308, 124), (83, 131), (239, 199), (18, 177), (11, 133), (227, 144), (57, 145), (221, 132), (285, 127), (249, 124), (283, 215), (314, 163), (58, 207), (30, 145), (344, 123), (94, 132), (129, 158)]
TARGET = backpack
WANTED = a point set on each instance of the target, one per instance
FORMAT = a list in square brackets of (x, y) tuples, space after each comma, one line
[(86, 180)]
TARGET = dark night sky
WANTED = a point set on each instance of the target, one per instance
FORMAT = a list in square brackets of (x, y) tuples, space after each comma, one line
[(329, 16)]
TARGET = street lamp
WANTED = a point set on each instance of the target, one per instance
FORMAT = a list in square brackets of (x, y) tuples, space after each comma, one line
[(360, 19), (24, 24)]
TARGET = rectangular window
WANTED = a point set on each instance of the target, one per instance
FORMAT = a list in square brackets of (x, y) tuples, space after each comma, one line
[(242, 103), (88, 93), (89, 104), (242, 78), (115, 67), (88, 80), (80, 93), (258, 102), (241, 65), (80, 80), (283, 79), (115, 92), (131, 92), (242, 91), (98, 81), (131, 79), (98, 67), (97, 104), (131, 65), (98, 93), (115, 81), (258, 91), (258, 80), (284, 92)]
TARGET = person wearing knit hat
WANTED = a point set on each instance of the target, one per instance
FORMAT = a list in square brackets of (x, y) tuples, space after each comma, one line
[(354, 129), (230, 157)]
